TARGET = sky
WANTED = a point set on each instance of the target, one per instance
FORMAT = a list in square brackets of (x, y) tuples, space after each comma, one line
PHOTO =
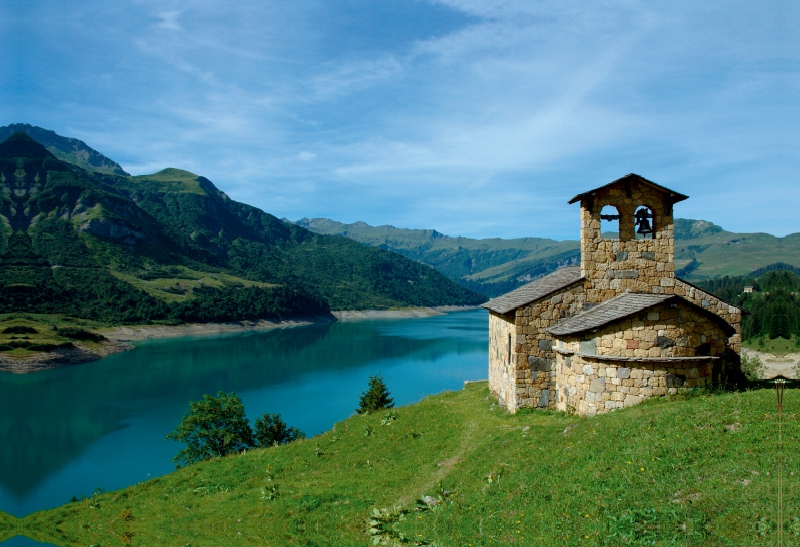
[(476, 118)]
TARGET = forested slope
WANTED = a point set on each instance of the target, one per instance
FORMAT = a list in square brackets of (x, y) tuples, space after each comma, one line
[(172, 247), (774, 304)]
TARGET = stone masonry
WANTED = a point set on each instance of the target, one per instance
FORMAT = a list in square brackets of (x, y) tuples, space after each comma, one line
[(658, 351)]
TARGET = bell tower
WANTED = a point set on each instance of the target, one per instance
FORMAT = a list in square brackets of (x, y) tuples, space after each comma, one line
[(640, 258)]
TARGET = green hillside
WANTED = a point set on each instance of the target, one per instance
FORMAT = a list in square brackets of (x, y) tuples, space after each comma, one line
[(172, 247), (697, 471), (495, 266)]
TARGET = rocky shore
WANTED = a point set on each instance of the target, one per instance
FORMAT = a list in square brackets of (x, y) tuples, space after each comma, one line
[(60, 357)]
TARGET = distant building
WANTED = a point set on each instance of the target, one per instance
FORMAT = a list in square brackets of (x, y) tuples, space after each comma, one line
[(748, 288), (619, 328)]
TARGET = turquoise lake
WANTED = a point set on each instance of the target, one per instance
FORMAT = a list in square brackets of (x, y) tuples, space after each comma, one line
[(69, 431)]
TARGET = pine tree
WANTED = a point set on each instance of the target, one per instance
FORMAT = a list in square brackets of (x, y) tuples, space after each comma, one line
[(375, 398)]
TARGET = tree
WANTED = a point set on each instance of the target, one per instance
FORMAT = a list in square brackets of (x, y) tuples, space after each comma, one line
[(214, 427), (375, 398), (271, 430)]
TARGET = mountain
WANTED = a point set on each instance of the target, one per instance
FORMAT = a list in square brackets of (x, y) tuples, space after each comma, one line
[(172, 247), (66, 149), (490, 266), (494, 266)]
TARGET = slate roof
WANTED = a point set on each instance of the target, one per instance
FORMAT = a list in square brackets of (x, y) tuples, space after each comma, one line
[(676, 196), (535, 290), (622, 306), (611, 310)]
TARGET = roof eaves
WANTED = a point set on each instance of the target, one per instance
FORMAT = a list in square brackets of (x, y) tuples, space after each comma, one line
[(556, 331)]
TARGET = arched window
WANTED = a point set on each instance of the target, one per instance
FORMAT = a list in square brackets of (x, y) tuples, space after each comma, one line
[(643, 223), (609, 222)]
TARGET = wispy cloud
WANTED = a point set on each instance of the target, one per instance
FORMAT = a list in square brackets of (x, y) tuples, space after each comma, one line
[(473, 117)]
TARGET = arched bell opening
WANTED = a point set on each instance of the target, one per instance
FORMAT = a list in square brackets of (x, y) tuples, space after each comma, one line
[(609, 222)]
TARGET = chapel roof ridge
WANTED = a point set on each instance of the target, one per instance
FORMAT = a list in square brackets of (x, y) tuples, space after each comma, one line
[(676, 196)]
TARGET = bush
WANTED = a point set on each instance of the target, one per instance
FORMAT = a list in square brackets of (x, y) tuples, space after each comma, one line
[(375, 398), (214, 427), (271, 430), (19, 329), (752, 367)]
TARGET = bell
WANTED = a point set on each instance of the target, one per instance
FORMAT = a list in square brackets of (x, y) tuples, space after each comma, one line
[(643, 225)]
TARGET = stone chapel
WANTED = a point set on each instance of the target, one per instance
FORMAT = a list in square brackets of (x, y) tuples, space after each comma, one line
[(619, 328)]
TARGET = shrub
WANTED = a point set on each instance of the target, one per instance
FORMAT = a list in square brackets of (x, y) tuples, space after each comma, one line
[(271, 430), (375, 398)]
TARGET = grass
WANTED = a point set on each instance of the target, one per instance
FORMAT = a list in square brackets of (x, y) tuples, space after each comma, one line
[(180, 288), (696, 471), (176, 180), (39, 333)]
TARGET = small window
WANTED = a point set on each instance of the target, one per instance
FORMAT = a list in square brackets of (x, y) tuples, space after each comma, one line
[(609, 222), (509, 348), (643, 223)]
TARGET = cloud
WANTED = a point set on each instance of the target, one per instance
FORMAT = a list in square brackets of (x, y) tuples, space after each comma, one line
[(169, 20)]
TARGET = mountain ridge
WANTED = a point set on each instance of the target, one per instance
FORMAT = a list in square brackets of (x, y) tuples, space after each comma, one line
[(494, 266), (67, 149)]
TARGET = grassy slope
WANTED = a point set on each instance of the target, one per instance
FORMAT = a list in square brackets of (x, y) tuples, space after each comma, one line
[(498, 265), (700, 471)]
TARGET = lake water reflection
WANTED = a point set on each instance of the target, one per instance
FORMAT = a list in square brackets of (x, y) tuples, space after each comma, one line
[(66, 432)]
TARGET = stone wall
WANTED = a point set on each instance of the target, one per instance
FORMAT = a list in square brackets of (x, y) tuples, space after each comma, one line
[(669, 348), (590, 386), (613, 266), (502, 363)]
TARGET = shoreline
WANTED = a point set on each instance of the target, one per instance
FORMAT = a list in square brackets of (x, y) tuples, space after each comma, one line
[(146, 332), (117, 338)]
